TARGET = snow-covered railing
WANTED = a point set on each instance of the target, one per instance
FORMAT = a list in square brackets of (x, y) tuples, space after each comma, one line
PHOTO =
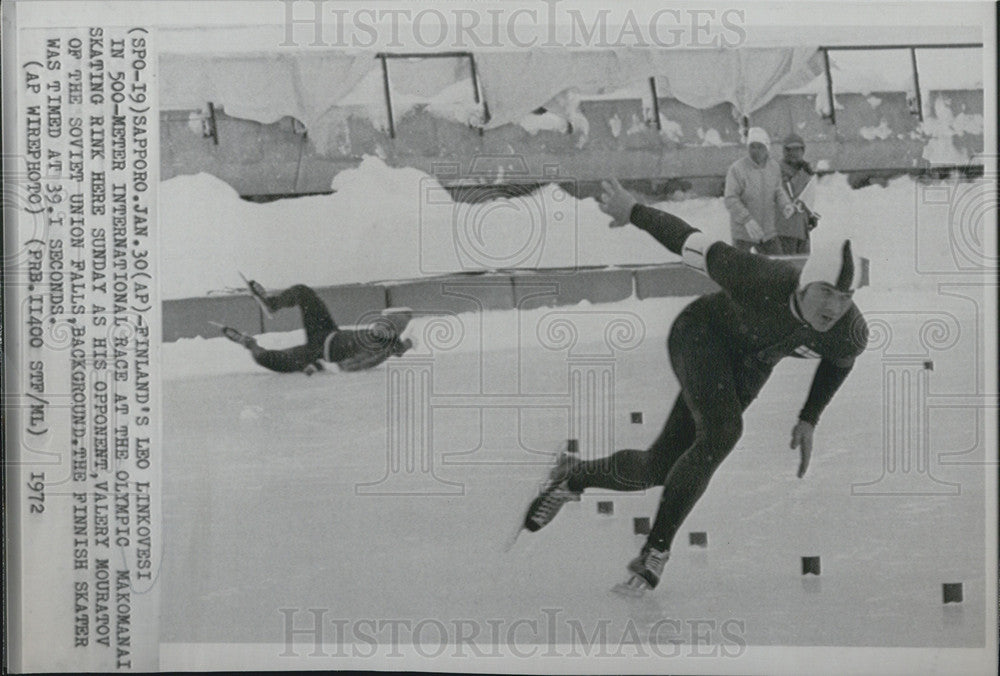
[(912, 48)]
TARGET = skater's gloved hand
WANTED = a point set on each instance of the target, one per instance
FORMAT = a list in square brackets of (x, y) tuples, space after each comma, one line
[(789, 210), (754, 230), (616, 202), (802, 439), (310, 369)]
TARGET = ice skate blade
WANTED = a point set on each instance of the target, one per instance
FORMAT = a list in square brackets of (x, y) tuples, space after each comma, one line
[(260, 301), (634, 588), (512, 539)]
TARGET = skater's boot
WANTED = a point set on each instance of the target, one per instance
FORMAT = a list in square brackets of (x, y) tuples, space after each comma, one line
[(260, 295), (239, 338), (647, 568), (555, 494)]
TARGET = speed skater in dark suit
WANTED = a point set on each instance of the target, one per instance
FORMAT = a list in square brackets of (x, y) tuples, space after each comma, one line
[(722, 347), (350, 349)]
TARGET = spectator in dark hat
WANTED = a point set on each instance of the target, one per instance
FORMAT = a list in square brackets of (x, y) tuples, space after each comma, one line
[(798, 183)]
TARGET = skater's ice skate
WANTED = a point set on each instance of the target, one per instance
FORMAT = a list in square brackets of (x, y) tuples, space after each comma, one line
[(554, 495), (236, 336), (646, 570), (259, 294)]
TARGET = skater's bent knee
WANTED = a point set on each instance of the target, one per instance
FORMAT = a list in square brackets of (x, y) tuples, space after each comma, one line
[(725, 432)]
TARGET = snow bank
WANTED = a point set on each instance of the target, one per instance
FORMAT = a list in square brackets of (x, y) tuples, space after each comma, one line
[(944, 127), (384, 223)]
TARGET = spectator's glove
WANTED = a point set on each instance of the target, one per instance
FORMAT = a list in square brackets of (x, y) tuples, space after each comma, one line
[(802, 439), (788, 210), (812, 221), (754, 230)]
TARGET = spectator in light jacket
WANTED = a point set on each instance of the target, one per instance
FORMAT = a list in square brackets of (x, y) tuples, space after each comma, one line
[(753, 196), (797, 180)]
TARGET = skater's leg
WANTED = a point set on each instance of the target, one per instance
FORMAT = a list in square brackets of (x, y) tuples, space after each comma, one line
[(706, 373), (634, 470), (316, 318)]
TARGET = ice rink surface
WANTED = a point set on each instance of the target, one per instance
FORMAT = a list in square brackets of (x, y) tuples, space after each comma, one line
[(263, 511), (283, 492)]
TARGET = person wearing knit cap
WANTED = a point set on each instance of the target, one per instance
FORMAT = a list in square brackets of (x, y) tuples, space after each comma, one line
[(754, 195), (723, 347), (797, 181)]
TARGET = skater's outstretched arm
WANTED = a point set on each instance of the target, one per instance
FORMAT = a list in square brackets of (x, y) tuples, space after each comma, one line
[(836, 364), (667, 229), (830, 375), (744, 275)]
